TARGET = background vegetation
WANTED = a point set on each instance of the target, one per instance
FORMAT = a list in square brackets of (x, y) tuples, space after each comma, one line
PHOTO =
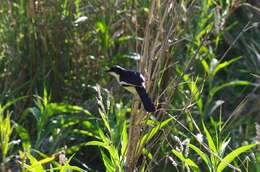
[(60, 111)]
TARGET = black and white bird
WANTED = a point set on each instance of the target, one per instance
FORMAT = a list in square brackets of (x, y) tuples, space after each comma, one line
[(134, 82)]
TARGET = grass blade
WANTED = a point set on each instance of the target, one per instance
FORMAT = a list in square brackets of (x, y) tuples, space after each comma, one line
[(204, 157), (232, 155), (187, 161)]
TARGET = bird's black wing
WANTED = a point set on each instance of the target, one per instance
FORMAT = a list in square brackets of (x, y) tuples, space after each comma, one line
[(132, 78), (135, 79), (147, 102)]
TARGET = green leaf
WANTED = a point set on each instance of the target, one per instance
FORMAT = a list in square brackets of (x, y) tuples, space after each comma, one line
[(65, 11), (107, 162), (114, 155), (210, 140), (66, 167), (223, 147), (257, 154), (35, 165), (24, 135), (97, 143), (214, 90), (195, 92), (43, 155), (46, 97), (151, 133), (224, 64), (147, 153), (103, 137), (124, 140), (111, 149), (105, 38), (104, 119), (232, 155), (205, 66), (85, 133), (204, 156), (46, 160), (124, 38), (35, 112), (187, 161), (5, 133), (101, 27), (204, 30), (66, 108), (75, 148), (9, 103)]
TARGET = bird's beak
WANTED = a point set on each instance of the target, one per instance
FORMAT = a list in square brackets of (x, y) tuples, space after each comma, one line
[(108, 70)]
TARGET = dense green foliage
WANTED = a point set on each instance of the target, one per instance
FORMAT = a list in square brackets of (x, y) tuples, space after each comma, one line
[(60, 111)]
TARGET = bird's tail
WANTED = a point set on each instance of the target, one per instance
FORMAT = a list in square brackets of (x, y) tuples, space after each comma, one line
[(148, 104)]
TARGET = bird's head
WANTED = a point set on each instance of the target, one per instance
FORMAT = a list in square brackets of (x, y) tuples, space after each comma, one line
[(115, 70)]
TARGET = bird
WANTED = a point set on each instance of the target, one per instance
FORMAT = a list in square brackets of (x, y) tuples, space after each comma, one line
[(134, 82)]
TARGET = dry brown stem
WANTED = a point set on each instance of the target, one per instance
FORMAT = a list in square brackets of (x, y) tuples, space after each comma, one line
[(159, 31)]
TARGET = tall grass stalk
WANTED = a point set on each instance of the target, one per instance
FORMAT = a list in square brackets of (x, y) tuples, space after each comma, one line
[(155, 63)]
